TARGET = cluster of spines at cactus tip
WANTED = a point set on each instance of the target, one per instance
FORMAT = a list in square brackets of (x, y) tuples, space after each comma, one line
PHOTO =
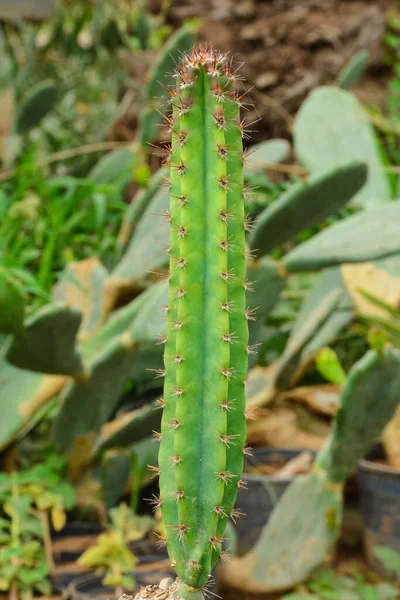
[(206, 346)]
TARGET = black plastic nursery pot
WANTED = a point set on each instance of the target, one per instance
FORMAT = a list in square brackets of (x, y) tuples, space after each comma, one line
[(262, 494), (90, 587), (380, 500), (75, 538)]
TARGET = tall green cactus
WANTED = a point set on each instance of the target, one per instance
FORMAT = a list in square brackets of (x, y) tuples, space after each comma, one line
[(203, 425)]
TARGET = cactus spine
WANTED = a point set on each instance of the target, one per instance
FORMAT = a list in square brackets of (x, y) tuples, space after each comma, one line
[(203, 425)]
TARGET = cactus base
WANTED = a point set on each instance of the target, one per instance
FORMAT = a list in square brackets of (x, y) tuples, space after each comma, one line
[(185, 593)]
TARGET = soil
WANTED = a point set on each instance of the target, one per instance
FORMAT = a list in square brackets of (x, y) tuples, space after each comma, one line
[(288, 47)]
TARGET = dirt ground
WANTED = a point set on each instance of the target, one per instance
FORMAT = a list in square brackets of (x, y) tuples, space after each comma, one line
[(290, 46)]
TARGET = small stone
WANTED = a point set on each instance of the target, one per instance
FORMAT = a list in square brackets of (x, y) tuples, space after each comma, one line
[(250, 33), (266, 80), (245, 10)]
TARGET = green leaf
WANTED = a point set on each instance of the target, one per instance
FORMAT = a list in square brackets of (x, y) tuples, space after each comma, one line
[(329, 367)]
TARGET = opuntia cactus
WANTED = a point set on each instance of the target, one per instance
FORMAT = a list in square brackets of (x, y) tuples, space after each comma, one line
[(203, 425)]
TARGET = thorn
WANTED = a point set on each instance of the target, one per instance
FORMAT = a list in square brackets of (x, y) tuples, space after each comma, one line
[(248, 285), (180, 167), (181, 531), (249, 312), (250, 414), (169, 91), (174, 424), (162, 339), (179, 495), (223, 182), (155, 471), (252, 349), (180, 263), (180, 293), (225, 556), (228, 372), (176, 460), (167, 182), (244, 128), (238, 99), (178, 325), (160, 403), (248, 223), (222, 150), (215, 542), (176, 359), (226, 404), (155, 501), (236, 514), (219, 118), (157, 436), (225, 216), (228, 440), (242, 484), (193, 564), (229, 337), (159, 373), (182, 200), (227, 305), (228, 276), (250, 254), (219, 510), (163, 276), (178, 392), (247, 450), (182, 138), (225, 476), (182, 231), (226, 244), (162, 540)]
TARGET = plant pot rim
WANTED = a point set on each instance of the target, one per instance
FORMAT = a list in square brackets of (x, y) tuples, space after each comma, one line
[(378, 468), (262, 477)]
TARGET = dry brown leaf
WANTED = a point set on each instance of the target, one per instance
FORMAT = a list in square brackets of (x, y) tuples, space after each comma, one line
[(323, 398), (378, 282)]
